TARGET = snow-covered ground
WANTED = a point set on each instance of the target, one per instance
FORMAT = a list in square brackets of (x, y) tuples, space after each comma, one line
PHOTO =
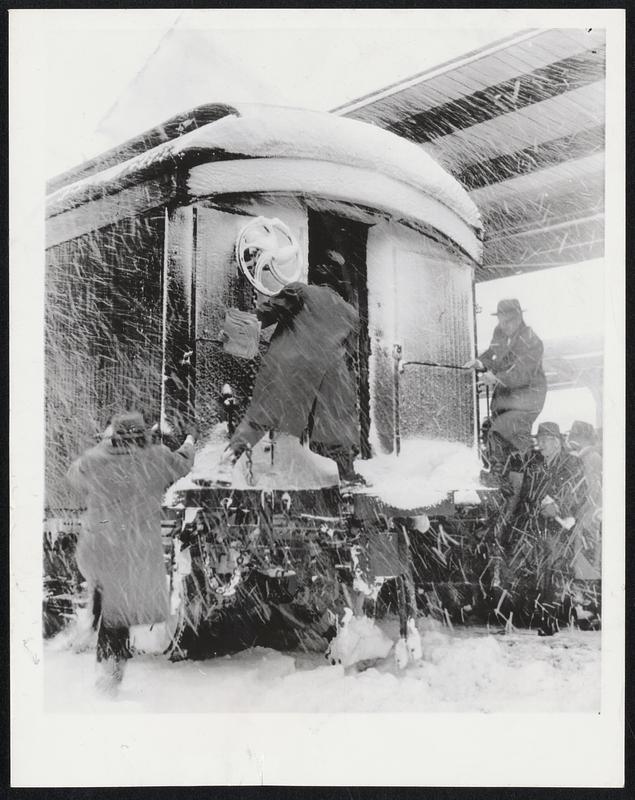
[(467, 669)]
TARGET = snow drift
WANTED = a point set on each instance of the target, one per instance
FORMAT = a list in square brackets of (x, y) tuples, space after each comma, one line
[(463, 670)]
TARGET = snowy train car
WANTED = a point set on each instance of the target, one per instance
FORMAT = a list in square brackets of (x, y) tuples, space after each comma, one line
[(153, 246)]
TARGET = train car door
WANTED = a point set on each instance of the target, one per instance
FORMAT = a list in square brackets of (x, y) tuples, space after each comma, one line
[(218, 285), (420, 301), (328, 231)]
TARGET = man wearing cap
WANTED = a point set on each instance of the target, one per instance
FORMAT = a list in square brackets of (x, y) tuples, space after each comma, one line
[(541, 544), (512, 365), (304, 379), (121, 481)]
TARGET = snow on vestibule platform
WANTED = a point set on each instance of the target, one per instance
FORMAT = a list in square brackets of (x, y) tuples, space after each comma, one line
[(462, 670), (294, 465), (423, 475)]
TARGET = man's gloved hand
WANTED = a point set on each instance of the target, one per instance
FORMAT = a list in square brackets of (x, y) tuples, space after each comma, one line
[(473, 363), (488, 379), (192, 431), (549, 509), (162, 429)]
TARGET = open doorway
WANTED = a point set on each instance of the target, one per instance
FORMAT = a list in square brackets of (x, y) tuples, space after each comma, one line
[(328, 231)]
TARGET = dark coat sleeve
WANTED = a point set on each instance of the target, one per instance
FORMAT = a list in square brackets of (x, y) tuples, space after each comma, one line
[(179, 462), (85, 471), (489, 357), (520, 364), (77, 478), (282, 307), (565, 484)]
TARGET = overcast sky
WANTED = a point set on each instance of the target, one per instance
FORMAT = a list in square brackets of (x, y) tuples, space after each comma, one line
[(111, 74)]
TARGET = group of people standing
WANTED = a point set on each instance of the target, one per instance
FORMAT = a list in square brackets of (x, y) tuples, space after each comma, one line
[(548, 526)]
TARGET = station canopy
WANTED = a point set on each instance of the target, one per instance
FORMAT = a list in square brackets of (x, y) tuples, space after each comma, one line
[(521, 126)]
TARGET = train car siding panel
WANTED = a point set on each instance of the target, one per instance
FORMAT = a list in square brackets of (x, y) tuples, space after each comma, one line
[(103, 336)]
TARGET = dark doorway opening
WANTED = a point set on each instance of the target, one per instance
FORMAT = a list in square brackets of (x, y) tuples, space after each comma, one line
[(331, 232)]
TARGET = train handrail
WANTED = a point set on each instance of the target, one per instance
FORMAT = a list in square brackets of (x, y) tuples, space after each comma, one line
[(399, 365)]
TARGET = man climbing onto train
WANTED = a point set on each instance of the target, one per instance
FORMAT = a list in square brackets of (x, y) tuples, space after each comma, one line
[(542, 539), (512, 365), (305, 380)]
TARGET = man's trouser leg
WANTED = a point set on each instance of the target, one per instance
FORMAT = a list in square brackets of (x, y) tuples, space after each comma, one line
[(112, 642), (508, 440), (513, 427), (499, 451)]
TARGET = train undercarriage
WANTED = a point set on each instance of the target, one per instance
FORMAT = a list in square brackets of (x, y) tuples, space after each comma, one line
[(287, 569)]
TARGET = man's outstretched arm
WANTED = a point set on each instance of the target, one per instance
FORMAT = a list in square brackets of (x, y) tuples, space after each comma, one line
[(282, 307)]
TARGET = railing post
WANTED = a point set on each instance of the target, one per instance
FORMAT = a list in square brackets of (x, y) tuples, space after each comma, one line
[(396, 354)]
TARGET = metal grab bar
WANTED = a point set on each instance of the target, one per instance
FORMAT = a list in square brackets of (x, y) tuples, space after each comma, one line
[(403, 364), (399, 364)]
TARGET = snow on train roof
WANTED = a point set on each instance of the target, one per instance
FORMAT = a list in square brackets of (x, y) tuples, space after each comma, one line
[(272, 132)]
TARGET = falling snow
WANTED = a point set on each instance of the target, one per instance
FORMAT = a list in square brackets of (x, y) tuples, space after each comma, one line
[(462, 670), (136, 299)]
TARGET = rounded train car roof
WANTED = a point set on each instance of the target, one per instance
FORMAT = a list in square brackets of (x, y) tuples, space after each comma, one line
[(243, 149)]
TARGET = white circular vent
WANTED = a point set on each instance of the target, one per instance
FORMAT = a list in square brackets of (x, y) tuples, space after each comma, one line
[(268, 254)]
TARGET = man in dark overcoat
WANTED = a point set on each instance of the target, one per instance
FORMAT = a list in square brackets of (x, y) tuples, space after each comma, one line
[(541, 546), (121, 481), (587, 569), (512, 365), (305, 379)]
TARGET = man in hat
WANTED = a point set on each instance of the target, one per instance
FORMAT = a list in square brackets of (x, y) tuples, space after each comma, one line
[(304, 380), (541, 544), (121, 481), (512, 365)]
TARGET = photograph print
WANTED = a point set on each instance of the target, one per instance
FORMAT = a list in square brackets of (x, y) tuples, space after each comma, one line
[(324, 366)]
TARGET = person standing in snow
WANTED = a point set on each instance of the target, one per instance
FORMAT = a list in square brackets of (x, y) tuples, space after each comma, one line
[(582, 442), (120, 553), (304, 380), (542, 547), (512, 365)]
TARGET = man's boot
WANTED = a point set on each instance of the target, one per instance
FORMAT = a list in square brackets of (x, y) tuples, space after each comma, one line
[(110, 675), (498, 455), (349, 479)]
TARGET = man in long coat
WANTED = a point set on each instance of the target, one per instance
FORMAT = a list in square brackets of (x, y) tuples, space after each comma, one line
[(542, 543), (512, 364), (582, 443), (587, 569), (304, 380), (120, 553)]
